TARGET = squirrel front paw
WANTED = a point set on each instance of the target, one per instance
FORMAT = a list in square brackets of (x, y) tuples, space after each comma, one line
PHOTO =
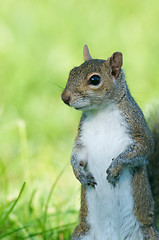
[(86, 178), (113, 172)]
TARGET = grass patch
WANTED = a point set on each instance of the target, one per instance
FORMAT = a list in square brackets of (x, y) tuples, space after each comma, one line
[(40, 41)]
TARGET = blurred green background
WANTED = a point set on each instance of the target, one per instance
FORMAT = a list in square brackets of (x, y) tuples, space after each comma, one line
[(40, 42)]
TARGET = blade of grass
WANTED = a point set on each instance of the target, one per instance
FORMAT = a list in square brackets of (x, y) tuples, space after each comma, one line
[(49, 197), (12, 207), (56, 229), (9, 233)]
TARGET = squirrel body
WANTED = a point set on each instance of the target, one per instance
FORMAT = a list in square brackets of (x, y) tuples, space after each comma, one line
[(110, 154), (118, 201)]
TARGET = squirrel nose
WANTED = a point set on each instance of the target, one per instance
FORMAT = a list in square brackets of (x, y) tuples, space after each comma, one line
[(65, 96)]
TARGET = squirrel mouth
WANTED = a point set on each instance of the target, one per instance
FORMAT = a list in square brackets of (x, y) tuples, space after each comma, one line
[(82, 108), (78, 108)]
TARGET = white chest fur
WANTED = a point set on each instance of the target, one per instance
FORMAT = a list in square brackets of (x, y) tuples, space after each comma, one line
[(110, 209)]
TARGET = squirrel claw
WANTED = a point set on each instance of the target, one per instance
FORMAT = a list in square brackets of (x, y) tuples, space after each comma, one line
[(112, 179), (85, 178), (90, 180), (113, 173)]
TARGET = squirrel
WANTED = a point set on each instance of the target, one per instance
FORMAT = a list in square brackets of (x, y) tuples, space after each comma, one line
[(110, 154)]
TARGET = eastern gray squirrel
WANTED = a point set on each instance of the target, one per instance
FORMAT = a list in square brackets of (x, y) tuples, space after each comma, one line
[(111, 153)]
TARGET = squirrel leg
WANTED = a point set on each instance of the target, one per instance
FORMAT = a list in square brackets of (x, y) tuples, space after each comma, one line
[(79, 164), (81, 232), (144, 204), (150, 232)]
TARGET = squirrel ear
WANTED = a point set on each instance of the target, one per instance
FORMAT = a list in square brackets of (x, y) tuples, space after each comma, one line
[(116, 62), (86, 53)]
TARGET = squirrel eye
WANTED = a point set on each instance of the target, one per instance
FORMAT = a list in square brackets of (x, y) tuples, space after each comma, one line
[(94, 80)]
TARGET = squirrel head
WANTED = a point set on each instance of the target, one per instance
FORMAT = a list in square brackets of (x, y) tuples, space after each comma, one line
[(95, 83)]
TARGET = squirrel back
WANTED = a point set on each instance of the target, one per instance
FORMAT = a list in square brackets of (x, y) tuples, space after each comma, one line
[(153, 168)]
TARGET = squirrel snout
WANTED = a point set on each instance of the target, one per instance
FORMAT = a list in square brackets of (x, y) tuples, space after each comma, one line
[(65, 96)]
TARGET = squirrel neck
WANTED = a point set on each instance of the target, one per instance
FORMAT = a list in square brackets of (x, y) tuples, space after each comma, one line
[(120, 101)]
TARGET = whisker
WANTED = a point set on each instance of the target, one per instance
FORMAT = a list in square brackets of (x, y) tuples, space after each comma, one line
[(57, 85)]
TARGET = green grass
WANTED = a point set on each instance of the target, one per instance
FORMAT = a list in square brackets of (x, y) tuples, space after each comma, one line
[(40, 41)]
